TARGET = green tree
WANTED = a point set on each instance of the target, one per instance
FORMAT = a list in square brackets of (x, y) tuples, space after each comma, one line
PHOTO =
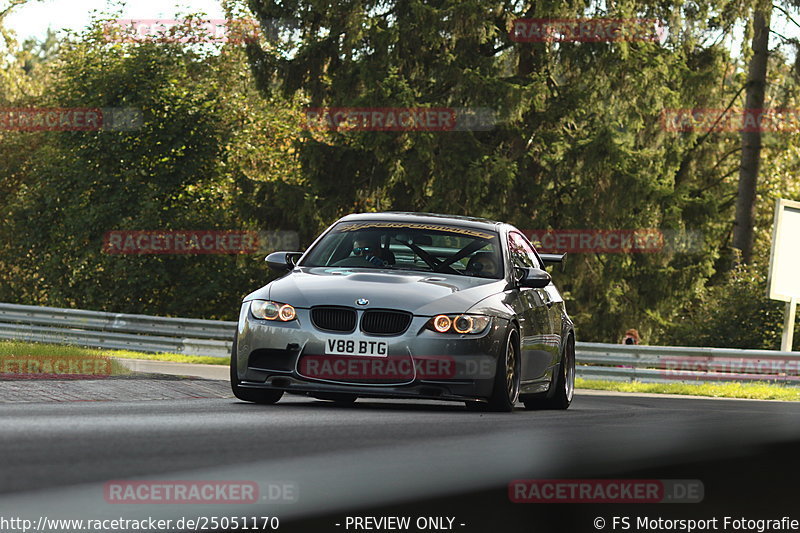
[(732, 314), (19, 87), (186, 167)]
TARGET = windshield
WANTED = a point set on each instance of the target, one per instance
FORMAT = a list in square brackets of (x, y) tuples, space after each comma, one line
[(410, 246)]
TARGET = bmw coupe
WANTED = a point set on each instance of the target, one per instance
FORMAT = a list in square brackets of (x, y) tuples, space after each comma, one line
[(409, 305)]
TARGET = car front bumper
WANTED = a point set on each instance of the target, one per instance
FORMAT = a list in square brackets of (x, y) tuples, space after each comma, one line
[(420, 363)]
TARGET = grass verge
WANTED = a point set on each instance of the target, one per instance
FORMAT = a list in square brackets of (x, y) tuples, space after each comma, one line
[(173, 357), (26, 358), (753, 391)]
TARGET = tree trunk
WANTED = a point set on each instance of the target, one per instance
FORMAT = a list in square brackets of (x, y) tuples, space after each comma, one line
[(751, 140)]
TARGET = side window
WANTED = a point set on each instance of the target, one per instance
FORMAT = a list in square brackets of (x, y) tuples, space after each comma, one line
[(522, 253), (537, 261)]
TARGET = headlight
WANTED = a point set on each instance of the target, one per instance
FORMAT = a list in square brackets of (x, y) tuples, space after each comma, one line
[(463, 324), (268, 310), (441, 323)]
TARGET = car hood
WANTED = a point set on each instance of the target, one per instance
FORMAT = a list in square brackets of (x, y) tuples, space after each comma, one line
[(421, 293)]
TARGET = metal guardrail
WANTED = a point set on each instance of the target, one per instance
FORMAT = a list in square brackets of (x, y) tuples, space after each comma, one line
[(676, 364), (618, 362), (117, 331)]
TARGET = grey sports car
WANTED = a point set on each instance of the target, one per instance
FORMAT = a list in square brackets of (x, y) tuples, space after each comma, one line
[(409, 305)]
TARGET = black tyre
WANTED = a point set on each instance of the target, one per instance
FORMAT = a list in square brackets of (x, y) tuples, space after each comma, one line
[(506, 380), (563, 386), (250, 395)]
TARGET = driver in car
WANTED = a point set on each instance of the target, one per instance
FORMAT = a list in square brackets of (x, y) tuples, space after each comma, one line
[(368, 248), (482, 265)]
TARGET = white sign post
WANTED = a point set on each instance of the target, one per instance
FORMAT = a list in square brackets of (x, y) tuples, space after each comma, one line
[(784, 264)]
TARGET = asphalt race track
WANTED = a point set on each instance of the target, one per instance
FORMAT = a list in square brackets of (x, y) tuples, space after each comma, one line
[(382, 458)]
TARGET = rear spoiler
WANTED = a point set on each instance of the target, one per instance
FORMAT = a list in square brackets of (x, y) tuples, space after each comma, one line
[(552, 259)]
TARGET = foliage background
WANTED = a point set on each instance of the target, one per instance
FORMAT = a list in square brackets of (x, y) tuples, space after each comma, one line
[(578, 144)]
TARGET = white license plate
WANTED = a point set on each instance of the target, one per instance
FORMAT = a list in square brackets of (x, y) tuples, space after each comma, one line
[(356, 346)]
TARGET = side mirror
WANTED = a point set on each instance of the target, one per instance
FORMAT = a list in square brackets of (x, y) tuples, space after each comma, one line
[(534, 278), (282, 261)]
